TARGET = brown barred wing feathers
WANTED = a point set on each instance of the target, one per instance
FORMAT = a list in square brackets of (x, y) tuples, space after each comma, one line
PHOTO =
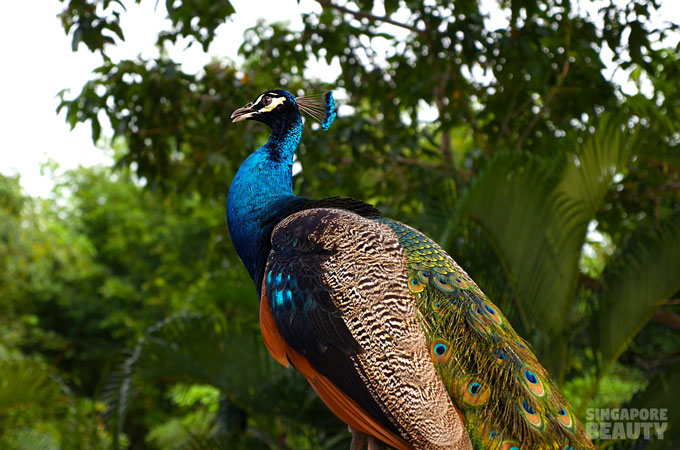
[(336, 285)]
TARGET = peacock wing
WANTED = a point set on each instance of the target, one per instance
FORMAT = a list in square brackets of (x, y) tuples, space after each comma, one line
[(335, 289)]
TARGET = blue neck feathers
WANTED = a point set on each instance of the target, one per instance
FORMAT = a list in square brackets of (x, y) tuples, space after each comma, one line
[(262, 185)]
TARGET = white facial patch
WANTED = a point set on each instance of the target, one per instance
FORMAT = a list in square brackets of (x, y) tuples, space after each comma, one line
[(276, 101)]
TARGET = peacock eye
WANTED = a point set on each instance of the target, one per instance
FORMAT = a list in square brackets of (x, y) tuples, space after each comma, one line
[(266, 101)]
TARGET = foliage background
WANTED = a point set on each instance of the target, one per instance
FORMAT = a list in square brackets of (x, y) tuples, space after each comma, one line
[(127, 320)]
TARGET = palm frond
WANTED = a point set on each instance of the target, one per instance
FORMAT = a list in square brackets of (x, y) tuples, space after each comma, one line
[(199, 349), (508, 202), (535, 216), (641, 276), (26, 382), (662, 393), (226, 354)]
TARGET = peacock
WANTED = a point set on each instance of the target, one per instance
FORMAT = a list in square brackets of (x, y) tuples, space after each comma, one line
[(395, 338)]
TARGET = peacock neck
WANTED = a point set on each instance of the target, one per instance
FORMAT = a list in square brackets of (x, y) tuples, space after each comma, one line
[(262, 186)]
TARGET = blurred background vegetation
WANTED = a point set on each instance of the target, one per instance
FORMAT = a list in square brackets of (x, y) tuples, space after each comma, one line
[(127, 320)]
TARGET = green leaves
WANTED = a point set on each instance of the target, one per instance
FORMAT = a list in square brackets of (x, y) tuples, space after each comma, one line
[(92, 26), (201, 27), (590, 171), (508, 201), (365, 5), (391, 6), (203, 350), (229, 355), (23, 383), (662, 392), (639, 279), (96, 22), (534, 215)]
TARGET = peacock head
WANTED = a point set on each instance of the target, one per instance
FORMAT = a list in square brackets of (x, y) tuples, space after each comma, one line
[(277, 107)]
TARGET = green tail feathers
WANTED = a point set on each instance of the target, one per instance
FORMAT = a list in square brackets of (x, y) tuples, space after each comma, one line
[(493, 377)]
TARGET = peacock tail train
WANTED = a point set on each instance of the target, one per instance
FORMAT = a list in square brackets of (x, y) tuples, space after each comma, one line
[(397, 340), (506, 396)]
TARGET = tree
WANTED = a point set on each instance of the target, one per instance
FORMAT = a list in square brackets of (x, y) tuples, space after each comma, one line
[(39, 259)]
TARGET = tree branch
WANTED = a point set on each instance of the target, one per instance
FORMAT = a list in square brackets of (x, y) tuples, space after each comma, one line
[(508, 116), (668, 318), (548, 100), (439, 94), (369, 16), (588, 282)]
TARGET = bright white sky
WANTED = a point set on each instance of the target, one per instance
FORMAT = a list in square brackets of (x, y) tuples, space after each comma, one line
[(36, 67)]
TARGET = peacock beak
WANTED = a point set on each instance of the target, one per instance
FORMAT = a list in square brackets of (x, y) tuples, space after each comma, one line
[(243, 113)]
